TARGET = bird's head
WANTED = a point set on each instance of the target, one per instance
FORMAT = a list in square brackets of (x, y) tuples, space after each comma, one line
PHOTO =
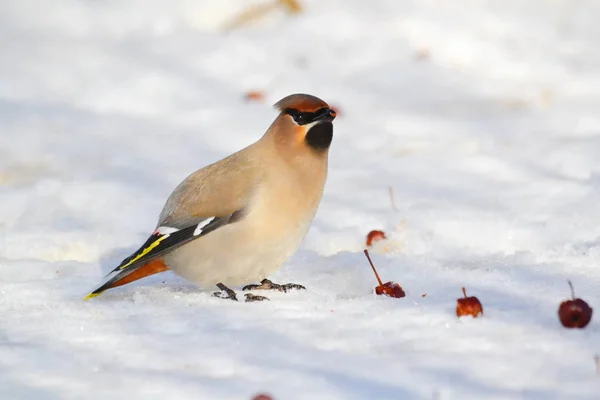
[(304, 121)]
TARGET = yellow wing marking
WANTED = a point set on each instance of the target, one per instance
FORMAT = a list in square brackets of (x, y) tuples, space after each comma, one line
[(145, 251), (91, 295), (136, 258)]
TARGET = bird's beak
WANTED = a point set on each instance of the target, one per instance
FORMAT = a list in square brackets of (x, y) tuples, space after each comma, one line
[(327, 116)]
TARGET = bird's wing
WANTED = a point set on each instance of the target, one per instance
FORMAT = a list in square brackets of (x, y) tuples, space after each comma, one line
[(162, 241)]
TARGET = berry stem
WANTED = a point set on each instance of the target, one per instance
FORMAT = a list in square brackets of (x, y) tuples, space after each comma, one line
[(372, 266), (572, 290), (464, 292), (391, 192)]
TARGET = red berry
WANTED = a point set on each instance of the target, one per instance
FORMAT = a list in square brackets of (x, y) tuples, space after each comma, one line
[(374, 236), (391, 289), (574, 313), (468, 306)]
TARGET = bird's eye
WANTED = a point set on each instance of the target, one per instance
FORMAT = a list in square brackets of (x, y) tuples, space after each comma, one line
[(298, 116)]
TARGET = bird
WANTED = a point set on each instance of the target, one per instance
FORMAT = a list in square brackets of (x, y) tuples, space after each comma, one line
[(237, 220)]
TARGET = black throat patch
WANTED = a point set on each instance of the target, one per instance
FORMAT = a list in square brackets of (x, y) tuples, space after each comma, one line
[(319, 137)]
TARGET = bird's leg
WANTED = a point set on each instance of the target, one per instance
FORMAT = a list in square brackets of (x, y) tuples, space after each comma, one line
[(229, 294), (266, 284)]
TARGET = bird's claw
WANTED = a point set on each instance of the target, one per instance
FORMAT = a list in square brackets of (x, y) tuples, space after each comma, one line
[(252, 297), (225, 293), (266, 284), (293, 286)]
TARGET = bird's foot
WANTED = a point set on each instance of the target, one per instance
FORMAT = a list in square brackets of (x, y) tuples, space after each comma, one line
[(225, 293), (266, 284)]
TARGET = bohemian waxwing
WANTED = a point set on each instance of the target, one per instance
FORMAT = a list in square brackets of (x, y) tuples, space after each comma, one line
[(236, 221)]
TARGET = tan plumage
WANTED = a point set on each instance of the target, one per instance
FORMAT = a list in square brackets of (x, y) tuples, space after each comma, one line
[(264, 198)]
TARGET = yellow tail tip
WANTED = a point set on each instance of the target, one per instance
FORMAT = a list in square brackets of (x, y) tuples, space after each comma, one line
[(91, 295)]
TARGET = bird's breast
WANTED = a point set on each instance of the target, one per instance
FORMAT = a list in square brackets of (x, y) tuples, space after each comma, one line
[(276, 217)]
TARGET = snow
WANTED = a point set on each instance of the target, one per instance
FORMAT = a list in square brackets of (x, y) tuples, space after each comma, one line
[(482, 116)]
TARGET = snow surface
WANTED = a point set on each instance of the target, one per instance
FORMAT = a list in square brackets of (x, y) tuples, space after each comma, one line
[(483, 117)]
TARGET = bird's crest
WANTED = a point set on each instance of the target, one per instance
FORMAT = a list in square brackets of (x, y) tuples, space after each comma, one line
[(301, 102)]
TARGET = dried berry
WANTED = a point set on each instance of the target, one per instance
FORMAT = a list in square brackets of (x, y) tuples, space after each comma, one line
[(262, 396), (374, 236), (391, 289), (255, 95), (468, 306), (574, 313)]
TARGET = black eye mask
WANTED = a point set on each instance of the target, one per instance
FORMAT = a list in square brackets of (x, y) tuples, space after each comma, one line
[(304, 117)]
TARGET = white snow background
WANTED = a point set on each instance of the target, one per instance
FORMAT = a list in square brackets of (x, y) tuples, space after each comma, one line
[(482, 116)]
